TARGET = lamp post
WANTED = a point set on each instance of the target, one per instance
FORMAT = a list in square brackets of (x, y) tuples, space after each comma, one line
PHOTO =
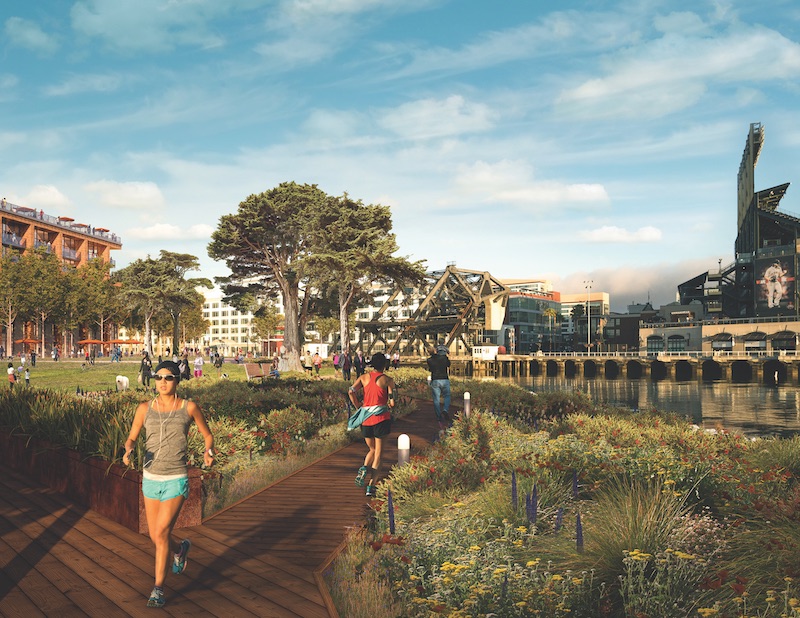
[(588, 285)]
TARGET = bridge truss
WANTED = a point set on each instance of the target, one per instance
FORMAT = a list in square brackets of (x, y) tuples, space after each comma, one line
[(452, 305)]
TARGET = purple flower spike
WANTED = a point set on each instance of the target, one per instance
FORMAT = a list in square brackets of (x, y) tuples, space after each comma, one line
[(514, 490), (559, 518), (390, 509), (579, 534), (534, 504)]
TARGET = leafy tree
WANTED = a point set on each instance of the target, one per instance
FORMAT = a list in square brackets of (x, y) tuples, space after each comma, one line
[(96, 296), (266, 322), (552, 316), (264, 244), (141, 283), (326, 326), (150, 288), (45, 288), (193, 324), (13, 290), (182, 295), (353, 247)]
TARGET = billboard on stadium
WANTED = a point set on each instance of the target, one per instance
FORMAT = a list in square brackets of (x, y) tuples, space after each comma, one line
[(775, 286)]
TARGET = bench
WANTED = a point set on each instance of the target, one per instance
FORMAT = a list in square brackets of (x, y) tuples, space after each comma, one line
[(254, 370)]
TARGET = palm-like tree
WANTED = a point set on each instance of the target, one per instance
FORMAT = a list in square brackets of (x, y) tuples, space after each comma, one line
[(551, 314)]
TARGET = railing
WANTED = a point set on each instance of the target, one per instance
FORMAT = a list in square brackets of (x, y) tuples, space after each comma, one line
[(13, 240), (69, 254), (655, 355), (759, 320), (39, 215)]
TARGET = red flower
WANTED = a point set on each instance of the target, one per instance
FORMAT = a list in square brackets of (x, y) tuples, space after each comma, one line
[(405, 559), (737, 588), (376, 545)]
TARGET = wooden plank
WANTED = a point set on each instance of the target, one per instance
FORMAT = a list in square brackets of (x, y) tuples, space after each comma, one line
[(231, 595), (260, 557)]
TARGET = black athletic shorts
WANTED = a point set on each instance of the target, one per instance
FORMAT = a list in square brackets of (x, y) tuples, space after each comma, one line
[(381, 430)]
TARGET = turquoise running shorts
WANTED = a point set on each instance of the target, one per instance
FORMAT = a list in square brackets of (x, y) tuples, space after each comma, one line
[(165, 490)]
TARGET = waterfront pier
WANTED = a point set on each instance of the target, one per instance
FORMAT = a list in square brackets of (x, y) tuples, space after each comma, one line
[(679, 366)]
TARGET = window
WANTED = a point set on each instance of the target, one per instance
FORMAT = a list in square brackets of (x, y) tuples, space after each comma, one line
[(655, 344), (676, 343)]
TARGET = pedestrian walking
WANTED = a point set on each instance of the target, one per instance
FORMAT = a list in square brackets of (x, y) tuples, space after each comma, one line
[(12, 376), (439, 365), (373, 416), (145, 369), (165, 480)]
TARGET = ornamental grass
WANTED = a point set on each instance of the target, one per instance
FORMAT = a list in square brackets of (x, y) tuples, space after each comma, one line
[(636, 514)]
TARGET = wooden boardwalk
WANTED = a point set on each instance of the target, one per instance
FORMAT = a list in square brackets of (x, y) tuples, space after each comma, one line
[(261, 557)]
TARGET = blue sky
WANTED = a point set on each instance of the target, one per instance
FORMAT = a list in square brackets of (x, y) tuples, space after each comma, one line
[(556, 140)]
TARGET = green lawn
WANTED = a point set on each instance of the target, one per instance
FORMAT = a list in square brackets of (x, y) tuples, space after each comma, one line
[(70, 375)]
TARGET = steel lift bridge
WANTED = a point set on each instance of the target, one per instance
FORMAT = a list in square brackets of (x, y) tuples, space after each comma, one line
[(451, 305)]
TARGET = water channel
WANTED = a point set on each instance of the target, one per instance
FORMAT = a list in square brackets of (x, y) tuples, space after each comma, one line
[(750, 409)]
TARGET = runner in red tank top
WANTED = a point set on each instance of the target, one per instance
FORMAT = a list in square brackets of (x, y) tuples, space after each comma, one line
[(377, 419)]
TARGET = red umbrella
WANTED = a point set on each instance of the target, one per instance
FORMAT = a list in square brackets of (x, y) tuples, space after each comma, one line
[(101, 229), (90, 342), (66, 219)]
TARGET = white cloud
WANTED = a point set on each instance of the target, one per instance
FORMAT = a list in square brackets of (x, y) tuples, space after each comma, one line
[(428, 118), (47, 197), (558, 30), (673, 72), (29, 35), (614, 234), (634, 284), (169, 231), (682, 22), (138, 195), (512, 182), (78, 84), (149, 25)]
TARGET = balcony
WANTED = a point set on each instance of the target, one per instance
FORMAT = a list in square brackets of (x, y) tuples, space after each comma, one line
[(70, 254), (12, 240)]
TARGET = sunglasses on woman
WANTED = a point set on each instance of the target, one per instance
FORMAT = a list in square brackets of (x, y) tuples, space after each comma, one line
[(169, 378)]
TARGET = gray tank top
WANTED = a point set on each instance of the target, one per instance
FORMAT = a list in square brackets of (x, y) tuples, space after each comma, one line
[(166, 441)]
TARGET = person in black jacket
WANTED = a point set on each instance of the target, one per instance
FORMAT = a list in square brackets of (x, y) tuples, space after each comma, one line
[(439, 365)]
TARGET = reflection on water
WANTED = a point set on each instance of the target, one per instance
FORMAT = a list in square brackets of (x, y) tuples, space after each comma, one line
[(752, 409)]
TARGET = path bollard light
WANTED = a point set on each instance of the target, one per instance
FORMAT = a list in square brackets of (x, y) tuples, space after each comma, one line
[(403, 449), (467, 404)]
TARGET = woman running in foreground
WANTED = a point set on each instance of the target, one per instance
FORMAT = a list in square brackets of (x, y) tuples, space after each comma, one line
[(165, 479)]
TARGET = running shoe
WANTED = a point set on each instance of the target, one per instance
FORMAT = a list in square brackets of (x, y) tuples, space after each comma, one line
[(179, 562), (157, 598), (361, 477), (371, 491)]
